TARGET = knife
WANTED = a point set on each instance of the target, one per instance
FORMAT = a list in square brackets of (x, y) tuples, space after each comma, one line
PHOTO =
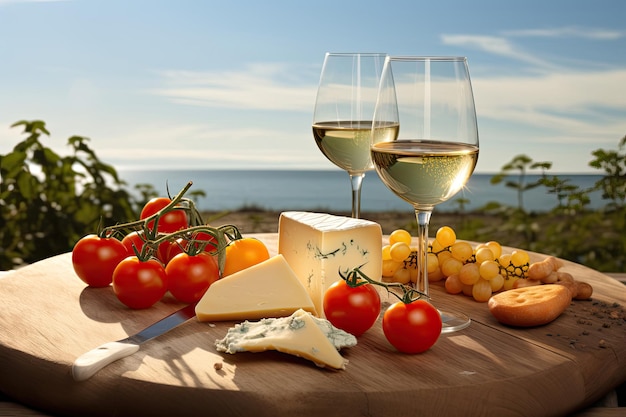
[(86, 365)]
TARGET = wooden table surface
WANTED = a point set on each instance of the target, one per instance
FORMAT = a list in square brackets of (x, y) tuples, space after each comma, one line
[(49, 318)]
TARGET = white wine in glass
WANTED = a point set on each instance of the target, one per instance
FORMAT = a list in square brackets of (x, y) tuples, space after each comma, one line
[(342, 118), (425, 142)]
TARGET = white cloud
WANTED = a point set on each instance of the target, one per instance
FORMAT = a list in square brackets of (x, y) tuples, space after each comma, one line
[(498, 46), (262, 87), (569, 32)]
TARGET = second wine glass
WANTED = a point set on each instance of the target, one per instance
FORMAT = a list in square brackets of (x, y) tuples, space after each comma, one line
[(425, 142), (342, 118)]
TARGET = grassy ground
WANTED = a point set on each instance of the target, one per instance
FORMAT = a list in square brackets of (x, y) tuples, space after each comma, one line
[(261, 221)]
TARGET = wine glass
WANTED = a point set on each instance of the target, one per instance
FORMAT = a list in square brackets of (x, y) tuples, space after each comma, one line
[(342, 118), (425, 142)]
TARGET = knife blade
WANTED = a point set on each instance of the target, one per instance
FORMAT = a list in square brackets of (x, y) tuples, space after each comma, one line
[(87, 364)]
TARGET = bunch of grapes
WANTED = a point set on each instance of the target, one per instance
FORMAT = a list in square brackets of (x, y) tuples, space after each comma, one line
[(477, 272)]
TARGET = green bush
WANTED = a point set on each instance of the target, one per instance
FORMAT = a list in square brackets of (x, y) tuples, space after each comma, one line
[(48, 201)]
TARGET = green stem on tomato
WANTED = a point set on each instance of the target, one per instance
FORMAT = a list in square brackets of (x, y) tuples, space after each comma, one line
[(356, 277)]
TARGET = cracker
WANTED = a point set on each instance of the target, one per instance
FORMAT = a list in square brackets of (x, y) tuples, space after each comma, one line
[(530, 306)]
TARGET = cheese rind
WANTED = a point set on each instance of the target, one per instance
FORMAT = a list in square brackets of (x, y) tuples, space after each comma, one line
[(318, 246), (300, 334), (268, 289)]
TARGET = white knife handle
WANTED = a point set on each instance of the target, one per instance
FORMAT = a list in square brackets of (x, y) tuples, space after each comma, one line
[(91, 362)]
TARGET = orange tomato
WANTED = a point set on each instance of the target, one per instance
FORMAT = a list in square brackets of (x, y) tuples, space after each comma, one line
[(243, 253)]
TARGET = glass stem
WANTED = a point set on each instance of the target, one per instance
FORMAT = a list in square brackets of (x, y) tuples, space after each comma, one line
[(423, 218), (356, 180)]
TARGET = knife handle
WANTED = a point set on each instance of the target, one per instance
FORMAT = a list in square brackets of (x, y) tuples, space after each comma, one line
[(87, 364)]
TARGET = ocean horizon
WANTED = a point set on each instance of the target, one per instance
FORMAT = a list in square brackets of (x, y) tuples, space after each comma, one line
[(329, 190)]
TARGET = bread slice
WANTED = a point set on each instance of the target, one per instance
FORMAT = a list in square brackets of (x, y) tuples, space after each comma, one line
[(530, 306)]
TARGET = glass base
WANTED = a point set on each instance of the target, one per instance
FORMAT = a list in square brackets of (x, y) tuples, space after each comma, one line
[(453, 322)]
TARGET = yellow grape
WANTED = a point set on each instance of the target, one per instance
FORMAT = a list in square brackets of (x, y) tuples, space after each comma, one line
[(467, 290), (489, 270), (453, 284), (433, 263), (508, 283), (435, 276), (495, 248), (399, 251), (402, 275), (497, 283), (505, 259), (484, 254), (469, 274), (519, 258), (390, 267), (481, 290), (445, 236), (386, 254), (451, 266), (400, 235), (462, 251), (436, 246), (413, 272), (443, 256)]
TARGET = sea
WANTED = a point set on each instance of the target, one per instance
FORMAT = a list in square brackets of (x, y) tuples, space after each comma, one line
[(330, 191)]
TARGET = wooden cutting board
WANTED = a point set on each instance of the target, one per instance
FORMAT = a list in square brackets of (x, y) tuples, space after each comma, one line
[(49, 318)]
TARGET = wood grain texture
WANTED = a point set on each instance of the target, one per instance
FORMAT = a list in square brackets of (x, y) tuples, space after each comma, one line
[(49, 318)]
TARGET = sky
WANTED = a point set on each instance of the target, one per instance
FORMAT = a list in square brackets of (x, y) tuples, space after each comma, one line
[(231, 84)]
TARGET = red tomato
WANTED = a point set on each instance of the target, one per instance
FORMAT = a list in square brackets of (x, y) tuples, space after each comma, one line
[(412, 328), (188, 277), (133, 239), (168, 223), (139, 284), (353, 309), (163, 251), (94, 259)]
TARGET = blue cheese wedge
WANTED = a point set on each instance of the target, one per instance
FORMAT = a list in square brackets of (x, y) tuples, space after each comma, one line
[(300, 334), (317, 246)]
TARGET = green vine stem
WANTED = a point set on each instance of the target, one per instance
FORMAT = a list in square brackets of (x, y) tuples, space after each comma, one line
[(356, 277), (151, 237)]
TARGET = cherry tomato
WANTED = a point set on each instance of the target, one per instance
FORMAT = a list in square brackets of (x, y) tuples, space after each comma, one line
[(139, 284), (133, 239), (188, 277), (412, 328), (168, 223), (94, 259), (243, 253), (182, 245), (353, 309)]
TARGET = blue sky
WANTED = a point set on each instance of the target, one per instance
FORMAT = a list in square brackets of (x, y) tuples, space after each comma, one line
[(231, 84)]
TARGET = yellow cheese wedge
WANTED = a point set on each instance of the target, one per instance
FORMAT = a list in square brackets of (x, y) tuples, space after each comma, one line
[(299, 334), (317, 246), (268, 289)]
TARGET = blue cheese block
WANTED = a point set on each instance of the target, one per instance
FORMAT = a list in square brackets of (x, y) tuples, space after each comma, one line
[(317, 246)]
